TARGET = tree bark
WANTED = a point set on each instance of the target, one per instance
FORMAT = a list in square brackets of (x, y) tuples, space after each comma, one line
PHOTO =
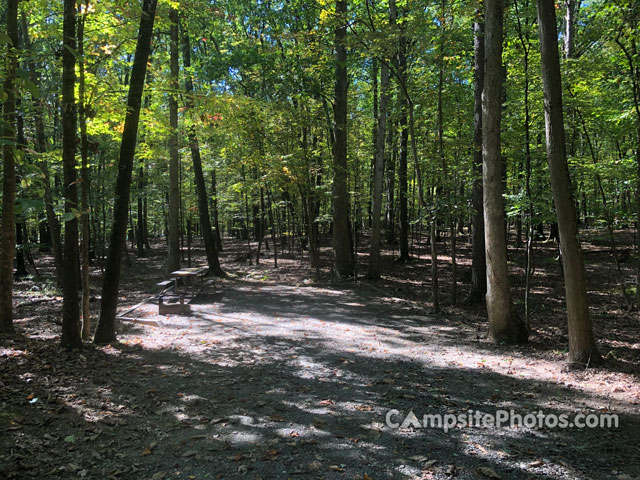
[(201, 189), (403, 197), (216, 221), (84, 153), (105, 332), (71, 337), (173, 256), (342, 245), (504, 322), (582, 347), (478, 257), (378, 170), (8, 228)]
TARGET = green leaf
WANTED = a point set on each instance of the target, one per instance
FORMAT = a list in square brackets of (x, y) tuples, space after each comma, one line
[(32, 88)]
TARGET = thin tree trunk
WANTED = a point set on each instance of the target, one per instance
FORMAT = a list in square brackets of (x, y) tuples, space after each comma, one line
[(84, 152), (8, 228), (140, 212), (273, 229), (201, 189), (582, 347), (403, 198), (105, 332), (378, 171), (216, 222), (526, 48), (71, 337), (504, 322), (21, 268), (478, 256), (390, 210), (173, 255), (342, 246)]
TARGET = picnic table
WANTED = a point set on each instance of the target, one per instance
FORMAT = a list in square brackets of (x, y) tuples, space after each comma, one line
[(188, 275)]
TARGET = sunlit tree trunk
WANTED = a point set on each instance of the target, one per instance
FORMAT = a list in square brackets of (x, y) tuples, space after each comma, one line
[(504, 322), (105, 332), (582, 348)]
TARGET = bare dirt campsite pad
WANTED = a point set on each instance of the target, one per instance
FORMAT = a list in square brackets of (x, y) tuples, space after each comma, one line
[(275, 376)]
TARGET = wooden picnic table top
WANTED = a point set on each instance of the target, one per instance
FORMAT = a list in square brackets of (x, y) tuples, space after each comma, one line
[(189, 272)]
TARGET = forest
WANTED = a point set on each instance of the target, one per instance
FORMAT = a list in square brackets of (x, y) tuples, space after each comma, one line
[(239, 237)]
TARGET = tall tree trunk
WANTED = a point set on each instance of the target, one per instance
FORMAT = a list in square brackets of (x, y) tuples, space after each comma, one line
[(478, 257), (526, 48), (582, 347), (8, 228), (504, 322), (403, 197), (84, 152), (173, 256), (374, 93), (105, 332), (378, 170), (71, 337), (342, 246), (443, 162), (201, 189)]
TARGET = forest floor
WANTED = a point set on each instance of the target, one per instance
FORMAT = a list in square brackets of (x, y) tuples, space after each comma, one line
[(277, 375)]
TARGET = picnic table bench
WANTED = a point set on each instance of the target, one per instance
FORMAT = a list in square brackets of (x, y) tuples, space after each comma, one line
[(175, 302), (189, 275)]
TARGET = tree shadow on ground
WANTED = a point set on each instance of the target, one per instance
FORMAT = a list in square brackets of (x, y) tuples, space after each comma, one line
[(294, 382)]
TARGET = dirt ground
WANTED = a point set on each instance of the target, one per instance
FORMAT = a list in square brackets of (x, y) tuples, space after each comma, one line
[(276, 375)]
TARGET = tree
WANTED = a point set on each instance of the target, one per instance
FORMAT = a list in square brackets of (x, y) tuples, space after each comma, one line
[(71, 337), (84, 153), (478, 257), (504, 323), (403, 197), (582, 348), (173, 255), (201, 189), (105, 331), (342, 245), (8, 228), (374, 257)]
